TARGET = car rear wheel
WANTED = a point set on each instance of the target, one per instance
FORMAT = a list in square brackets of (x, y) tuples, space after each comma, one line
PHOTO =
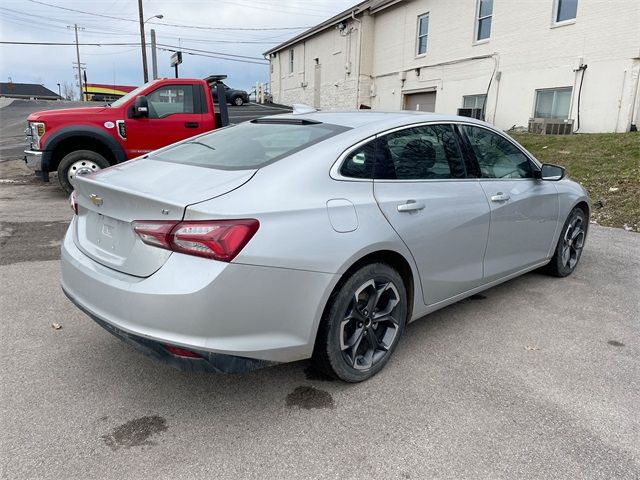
[(363, 324), (570, 245), (238, 101), (80, 162)]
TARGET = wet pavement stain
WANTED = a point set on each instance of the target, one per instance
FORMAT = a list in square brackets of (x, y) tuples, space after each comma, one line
[(615, 343), (309, 398), (135, 433), (313, 374)]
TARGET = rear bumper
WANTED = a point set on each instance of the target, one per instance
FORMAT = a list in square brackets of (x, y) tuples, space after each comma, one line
[(263, 315), (208, 361)]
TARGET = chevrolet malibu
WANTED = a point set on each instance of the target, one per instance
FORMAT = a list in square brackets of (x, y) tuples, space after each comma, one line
[(312, 235)]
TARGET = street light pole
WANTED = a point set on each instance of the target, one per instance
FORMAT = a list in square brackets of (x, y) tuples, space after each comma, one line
[(59, 92), (154, 58), (142, 43)]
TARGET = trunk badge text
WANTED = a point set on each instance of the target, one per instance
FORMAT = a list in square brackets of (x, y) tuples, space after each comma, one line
[(96, 200)]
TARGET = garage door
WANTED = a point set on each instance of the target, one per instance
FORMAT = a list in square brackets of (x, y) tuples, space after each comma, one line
[(424, 101)]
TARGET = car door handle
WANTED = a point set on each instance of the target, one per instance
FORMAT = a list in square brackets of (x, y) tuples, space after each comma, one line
[(191, 124), (500, 197), (410, 206)]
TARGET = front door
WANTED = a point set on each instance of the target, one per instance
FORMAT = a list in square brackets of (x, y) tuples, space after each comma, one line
[(524, 210), (171, 118), (441, 215)]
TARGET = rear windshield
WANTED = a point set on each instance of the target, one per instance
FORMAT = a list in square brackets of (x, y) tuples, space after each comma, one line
[(248, 145)]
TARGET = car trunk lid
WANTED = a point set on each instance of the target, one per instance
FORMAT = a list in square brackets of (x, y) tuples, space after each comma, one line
[(110, 200)]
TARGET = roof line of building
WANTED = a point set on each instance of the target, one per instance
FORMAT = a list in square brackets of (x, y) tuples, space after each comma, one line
[(372, 5)]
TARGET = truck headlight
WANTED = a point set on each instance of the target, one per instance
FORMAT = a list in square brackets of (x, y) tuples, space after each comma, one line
[(37, 132)]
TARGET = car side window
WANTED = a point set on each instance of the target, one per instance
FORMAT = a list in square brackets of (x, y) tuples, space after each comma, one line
[(497, 156), (427, 152), (170, 99), (359, 162)]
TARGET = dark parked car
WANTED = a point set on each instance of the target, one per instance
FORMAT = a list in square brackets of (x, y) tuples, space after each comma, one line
[(235, 97)]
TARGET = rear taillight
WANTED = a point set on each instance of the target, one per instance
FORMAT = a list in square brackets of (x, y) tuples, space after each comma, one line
[(73, 202), (217, 239)]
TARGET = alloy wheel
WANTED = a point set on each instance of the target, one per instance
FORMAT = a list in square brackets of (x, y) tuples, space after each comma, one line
[(370, 324), (573, 242)]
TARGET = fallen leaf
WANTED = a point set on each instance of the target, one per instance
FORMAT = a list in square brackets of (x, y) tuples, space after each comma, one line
[(56, 326)]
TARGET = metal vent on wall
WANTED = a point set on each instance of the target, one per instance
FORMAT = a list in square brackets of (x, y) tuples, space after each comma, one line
[(551, 126)]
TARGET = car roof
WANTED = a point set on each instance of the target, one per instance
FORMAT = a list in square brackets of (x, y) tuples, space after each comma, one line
[(368, 118)]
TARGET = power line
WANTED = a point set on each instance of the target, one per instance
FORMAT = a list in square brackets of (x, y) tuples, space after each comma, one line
[(213, 56), (209, 51), (168, 48), (165, 23), (103, 44), (129, 44)]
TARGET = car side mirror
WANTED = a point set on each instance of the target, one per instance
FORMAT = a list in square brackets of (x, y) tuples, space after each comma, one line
[(553, 173), (140, 107)]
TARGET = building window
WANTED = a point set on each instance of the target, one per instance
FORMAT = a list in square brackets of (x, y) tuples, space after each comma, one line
[(565, 10), (291, 61), (485, 14), (553, 103), (473, 101), (423, 33)]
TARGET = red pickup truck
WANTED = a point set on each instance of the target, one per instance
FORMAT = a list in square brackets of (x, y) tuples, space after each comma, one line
[(77, 141)]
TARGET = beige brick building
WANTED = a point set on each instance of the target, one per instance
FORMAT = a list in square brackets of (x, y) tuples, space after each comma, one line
[(506, 60)]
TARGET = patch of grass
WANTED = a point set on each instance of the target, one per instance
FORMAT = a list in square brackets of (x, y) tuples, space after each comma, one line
[(602, 163)]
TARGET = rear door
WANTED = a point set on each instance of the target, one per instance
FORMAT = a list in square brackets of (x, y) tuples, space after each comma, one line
[(421, 186), (175, 113), (524, 210)]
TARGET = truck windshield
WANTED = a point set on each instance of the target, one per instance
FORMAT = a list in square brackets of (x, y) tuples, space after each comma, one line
[(248, 145), (131, 94)]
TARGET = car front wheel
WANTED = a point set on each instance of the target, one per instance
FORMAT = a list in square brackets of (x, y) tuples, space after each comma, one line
[(570, 245), (363, 324), (238, 101)]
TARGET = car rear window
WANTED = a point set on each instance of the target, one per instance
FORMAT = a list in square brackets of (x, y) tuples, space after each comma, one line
[(248, 145)]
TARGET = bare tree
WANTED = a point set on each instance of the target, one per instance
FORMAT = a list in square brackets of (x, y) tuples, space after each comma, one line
[(68, 91)]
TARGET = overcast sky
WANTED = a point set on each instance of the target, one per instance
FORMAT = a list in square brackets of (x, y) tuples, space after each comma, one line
[(41, 21)]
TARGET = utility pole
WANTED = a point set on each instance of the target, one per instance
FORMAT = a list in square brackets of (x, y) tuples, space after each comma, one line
[(154, 58), (75, 27), (142, 43)]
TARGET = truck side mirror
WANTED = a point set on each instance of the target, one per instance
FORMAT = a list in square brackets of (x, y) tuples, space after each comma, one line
[(140, 107)]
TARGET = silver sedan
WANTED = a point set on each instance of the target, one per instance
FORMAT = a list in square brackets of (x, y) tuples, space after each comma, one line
[(315, 235)]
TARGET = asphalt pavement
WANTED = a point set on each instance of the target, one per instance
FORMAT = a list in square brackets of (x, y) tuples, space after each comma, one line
[(536, 378)]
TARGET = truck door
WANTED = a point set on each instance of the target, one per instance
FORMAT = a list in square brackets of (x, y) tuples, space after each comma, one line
[(175, 113)]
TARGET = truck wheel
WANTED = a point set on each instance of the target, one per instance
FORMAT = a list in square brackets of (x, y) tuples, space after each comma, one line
[(238, 102), (80, 162)]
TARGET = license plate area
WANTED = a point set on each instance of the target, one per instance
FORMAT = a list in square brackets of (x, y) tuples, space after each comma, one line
[(109, 234)]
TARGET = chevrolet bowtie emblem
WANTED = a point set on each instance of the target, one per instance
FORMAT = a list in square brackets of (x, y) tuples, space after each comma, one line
[(95, 199)]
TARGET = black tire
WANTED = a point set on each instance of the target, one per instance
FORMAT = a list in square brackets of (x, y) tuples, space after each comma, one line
[(79, 162), (570, 244), (237, 101), (351, 321)]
